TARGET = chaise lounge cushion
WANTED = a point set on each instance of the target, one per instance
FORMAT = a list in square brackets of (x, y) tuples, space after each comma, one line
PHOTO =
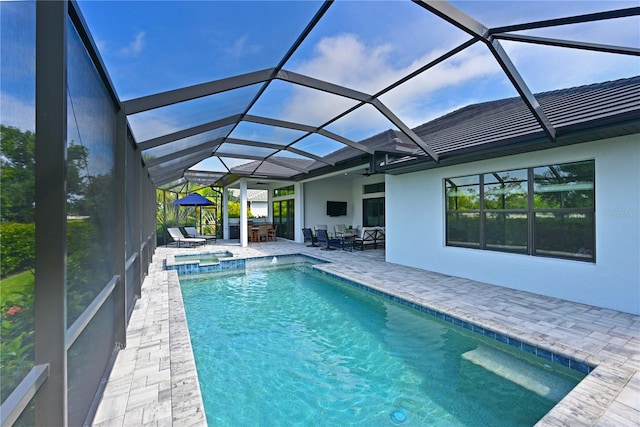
[(179, 238), (192, 232)]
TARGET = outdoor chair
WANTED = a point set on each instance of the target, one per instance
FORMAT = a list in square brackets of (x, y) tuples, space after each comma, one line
[(263, 232), (329, 244), (380, 236), (341, 230), (192, 232), (179, 238), (271, 233), (369, 236), (309, 237)]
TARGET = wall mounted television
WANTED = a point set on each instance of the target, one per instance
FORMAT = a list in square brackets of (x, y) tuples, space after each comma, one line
[(336, 208)]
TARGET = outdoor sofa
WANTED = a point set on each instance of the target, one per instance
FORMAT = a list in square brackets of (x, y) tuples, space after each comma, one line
[(370, 236)]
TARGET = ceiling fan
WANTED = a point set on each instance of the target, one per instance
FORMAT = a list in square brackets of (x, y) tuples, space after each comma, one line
[(367, 172)]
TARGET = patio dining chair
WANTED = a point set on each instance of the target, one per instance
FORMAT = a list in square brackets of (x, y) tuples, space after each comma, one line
[(263, 232), (271, 232)]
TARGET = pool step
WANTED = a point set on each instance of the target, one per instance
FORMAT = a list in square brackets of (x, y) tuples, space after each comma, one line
[(544, 383)]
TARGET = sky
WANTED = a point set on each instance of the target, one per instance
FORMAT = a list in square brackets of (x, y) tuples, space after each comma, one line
[(155, 46)]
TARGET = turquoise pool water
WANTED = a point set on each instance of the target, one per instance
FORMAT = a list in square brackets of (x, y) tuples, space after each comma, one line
[(291, 346)]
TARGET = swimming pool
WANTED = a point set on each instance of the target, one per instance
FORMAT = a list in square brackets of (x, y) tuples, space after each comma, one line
[(292, 346)]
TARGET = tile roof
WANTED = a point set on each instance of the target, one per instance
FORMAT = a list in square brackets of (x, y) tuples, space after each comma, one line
[(502, 126), (506, 126)]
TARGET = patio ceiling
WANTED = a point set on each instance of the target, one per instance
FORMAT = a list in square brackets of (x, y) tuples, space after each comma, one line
[(244, 125)]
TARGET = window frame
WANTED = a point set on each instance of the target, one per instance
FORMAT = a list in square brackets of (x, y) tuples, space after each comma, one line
[(532, 245)]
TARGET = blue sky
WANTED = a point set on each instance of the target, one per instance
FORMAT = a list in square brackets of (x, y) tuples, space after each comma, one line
[(152, 46)]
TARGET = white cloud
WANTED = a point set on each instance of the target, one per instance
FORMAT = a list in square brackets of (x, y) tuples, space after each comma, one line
[(134, 48), (469, 77), (547, 68), (101, 45), (241, 47), (347, 61), (17, 113)]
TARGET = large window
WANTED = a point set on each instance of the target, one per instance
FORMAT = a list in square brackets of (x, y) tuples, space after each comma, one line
[(543, 211)]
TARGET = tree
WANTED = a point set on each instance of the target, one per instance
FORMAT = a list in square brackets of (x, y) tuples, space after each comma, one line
[(17, 178)]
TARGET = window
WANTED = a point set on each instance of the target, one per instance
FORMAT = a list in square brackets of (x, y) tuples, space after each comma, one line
[(542, 211), (564, 204), (505, 200), (284, 191), (373, 212), (373, 188)]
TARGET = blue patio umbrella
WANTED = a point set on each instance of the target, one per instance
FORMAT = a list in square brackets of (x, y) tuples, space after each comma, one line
[(194, 199)]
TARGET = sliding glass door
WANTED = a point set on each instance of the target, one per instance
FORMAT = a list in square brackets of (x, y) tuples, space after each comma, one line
[(373, 212), (283, 217)]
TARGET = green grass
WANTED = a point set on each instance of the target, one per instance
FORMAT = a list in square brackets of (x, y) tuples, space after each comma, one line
[(16, 283)]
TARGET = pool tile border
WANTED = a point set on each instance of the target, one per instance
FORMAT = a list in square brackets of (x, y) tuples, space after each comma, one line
[(568, 362), (230, 264)]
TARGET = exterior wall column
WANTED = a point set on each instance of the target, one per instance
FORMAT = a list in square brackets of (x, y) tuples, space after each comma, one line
[(299, 211), (225, 214), (244, 237)]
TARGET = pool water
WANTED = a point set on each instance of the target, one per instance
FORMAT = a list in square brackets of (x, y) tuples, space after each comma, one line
[(292, 346)]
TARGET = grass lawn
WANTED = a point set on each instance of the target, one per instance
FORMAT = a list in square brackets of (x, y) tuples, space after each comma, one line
[(16, 283)]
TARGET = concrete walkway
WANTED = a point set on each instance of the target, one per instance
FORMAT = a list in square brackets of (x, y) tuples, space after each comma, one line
[(154, 381)]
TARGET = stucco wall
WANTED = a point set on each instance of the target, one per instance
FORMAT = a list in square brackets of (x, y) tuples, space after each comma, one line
[(416, 229), (338, 188)]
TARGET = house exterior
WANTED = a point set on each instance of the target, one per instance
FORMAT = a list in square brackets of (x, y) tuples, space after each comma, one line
[(597, 128), (612, 280)]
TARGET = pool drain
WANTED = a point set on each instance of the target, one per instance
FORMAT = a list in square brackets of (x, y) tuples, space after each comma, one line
[(399, 416)]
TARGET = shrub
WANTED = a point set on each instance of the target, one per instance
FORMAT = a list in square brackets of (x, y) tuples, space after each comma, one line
[(17, 247), (16, 346)]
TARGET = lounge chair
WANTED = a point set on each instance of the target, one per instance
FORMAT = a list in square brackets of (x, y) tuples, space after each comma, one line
[(329, 244), (179, 238), (192, 232), (309, 237)]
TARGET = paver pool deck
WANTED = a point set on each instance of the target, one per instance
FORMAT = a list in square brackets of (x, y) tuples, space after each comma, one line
[(154, 381)]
